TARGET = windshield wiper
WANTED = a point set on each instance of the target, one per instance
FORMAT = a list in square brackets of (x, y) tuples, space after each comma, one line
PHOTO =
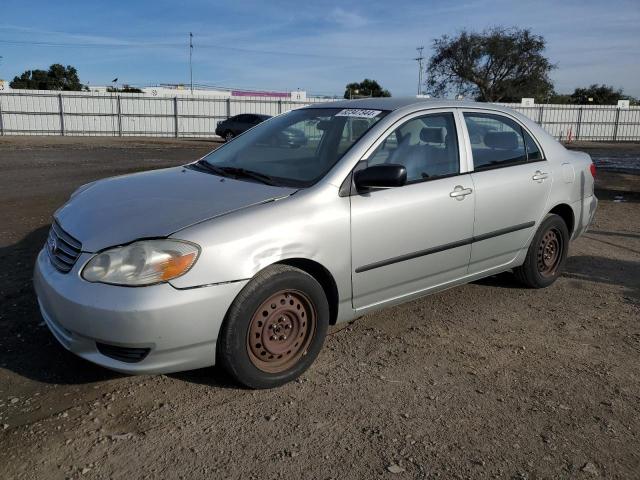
[(243, 172), (236, 172), (211, 168)]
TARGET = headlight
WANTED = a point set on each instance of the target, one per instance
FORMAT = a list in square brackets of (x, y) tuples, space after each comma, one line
[(142, 263)]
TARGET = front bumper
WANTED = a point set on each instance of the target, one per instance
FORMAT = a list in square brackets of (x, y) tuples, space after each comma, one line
[(179, 327)]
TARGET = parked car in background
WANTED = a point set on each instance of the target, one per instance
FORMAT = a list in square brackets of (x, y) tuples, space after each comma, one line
[(234, 126), (245, 257)]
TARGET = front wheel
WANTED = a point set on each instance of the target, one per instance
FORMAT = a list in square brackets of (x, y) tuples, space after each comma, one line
[(274, 329), (546, 255), (228, 136)]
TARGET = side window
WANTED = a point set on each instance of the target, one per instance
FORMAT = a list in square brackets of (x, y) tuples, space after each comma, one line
[(426, 146), (496, 141), (533, 152)]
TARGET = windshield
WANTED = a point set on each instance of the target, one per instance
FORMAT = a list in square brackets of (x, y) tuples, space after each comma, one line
[(296, 148)]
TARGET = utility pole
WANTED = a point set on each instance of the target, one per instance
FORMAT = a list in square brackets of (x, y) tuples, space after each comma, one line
[(190, 57), (419, 59)]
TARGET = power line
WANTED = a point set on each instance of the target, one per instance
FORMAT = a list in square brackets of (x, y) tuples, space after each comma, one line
[(203, 45)]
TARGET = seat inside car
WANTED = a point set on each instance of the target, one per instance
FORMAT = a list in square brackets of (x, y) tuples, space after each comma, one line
[(498, 146), (432, 156)]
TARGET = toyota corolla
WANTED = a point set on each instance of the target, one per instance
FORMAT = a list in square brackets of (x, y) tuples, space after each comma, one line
[(245, 257)]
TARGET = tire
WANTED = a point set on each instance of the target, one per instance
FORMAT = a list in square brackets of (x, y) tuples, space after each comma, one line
[(274, 329), (228, 136), (547, 254)]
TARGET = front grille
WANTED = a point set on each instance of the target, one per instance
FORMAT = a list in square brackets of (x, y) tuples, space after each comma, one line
[(62, 248), (123, 354)]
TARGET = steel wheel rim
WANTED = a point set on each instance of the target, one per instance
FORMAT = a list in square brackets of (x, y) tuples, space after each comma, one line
[(280, 331), (550, 252)]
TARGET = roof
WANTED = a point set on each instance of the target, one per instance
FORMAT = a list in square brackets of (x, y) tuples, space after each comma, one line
[(393, 103)]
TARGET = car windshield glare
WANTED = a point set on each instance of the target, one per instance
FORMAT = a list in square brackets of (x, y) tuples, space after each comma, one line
[(297, 148)]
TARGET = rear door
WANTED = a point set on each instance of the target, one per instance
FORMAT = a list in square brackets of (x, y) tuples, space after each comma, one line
[(408, 239), (511, 180)]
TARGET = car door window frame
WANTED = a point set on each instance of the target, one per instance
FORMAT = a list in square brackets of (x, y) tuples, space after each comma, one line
[(523, 128), (348, 188)]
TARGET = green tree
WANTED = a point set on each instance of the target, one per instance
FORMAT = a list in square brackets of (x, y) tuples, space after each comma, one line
[(58, 77), (496, 65), (366, 88), (600, 95), (124, 89)]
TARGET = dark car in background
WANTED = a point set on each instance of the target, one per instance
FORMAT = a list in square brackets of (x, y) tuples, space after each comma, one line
[(234, 126)]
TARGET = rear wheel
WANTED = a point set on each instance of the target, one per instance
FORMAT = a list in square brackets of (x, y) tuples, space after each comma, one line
[(275, 328), (546, 255)]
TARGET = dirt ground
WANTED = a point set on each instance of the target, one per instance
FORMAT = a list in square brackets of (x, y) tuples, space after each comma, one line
[(489, 380)]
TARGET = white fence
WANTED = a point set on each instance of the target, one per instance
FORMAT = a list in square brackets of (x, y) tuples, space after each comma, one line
[(95, 114), (99, 114)]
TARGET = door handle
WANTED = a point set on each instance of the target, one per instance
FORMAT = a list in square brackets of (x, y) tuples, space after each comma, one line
[(459, 192), (539, 176)]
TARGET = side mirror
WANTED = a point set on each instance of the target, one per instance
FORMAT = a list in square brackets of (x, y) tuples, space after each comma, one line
[(380, 176)]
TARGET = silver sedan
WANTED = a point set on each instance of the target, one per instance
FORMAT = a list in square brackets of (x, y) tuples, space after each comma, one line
[(245, 257)]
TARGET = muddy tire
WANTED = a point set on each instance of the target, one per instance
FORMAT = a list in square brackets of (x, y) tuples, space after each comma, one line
[(274, 329), (547, 254)]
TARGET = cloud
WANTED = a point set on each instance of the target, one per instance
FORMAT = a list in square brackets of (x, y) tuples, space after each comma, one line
[(347, 19)]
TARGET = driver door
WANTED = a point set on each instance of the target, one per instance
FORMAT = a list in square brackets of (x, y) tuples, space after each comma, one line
[(407, 240)]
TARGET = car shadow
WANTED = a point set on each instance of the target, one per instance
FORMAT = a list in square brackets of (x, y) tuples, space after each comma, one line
[(501, 280), (623, 273), (27, 347), (609, 271)]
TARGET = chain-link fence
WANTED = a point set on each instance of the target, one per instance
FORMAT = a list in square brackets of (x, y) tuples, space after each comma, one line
[(99, 114)]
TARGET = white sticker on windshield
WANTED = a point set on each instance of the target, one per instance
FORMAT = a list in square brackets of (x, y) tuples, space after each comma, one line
[(358, 112)]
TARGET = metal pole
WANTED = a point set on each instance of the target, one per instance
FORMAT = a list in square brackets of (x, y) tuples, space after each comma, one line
[(190, 56), (1, 123), (119, 109), (419, 59), (60, 107), (579, 123), (280, 106), (228, 107), (615, 128), (540, 112), (175, 116)]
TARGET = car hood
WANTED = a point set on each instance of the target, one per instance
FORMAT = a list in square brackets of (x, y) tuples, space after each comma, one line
[(152, 204)]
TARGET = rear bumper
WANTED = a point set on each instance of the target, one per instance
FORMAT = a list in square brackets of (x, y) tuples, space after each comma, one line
[(178, 327), (584, 212)]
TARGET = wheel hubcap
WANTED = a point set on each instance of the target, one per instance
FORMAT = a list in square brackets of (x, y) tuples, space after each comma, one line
[(550, 252), (281, 330)]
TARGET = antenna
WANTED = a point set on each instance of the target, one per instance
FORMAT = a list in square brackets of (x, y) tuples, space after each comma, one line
[(419, 59), (190, 64)]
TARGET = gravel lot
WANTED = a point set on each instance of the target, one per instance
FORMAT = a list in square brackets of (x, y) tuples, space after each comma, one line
[(488, 380)]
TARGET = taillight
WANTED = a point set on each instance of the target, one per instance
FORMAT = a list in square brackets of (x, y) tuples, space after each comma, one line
[(592, 168)]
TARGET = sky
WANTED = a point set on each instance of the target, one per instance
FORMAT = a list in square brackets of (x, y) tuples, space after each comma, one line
[(318, 46)]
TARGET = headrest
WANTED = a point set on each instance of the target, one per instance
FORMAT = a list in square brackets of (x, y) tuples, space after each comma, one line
[(359, 126), (432, 134), (502, 140)]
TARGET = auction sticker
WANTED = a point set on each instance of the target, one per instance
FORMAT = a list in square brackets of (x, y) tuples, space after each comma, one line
[(358, 112)]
